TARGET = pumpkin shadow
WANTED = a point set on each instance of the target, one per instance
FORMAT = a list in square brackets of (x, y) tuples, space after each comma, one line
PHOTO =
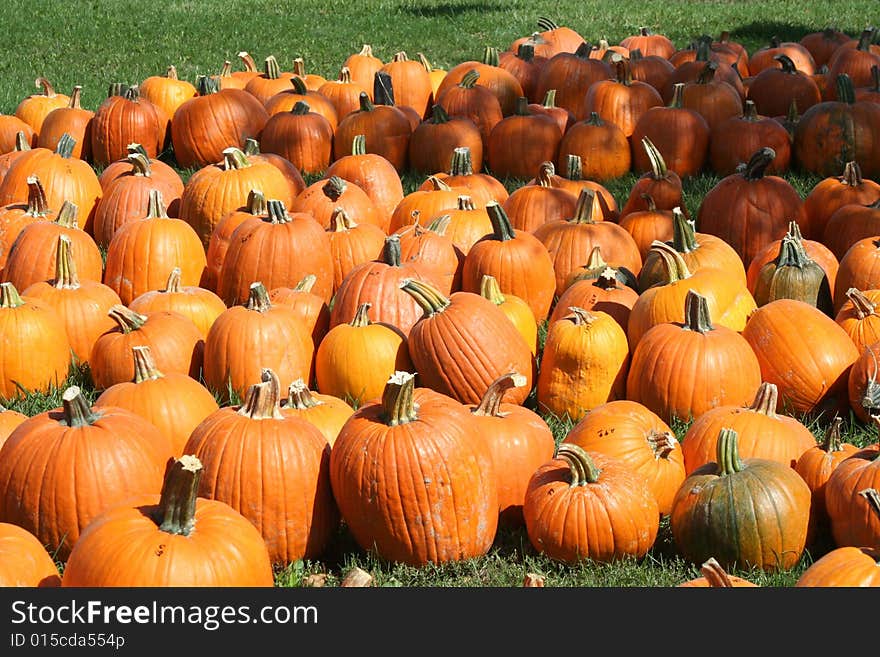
[(761, 32), (450, 9)]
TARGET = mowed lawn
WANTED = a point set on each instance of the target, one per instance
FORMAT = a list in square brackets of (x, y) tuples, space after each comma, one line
[(94, 43)]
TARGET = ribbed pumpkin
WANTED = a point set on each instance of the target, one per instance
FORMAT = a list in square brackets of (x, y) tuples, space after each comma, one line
[(34, 108), (326, 412), (659, 183), (843, 567), (605, 293), (463, 342), (255, 448), (203, 127), (15, 216), (734, 140), (174, 403), (202, 543), (587, 505), (9, 419), (517, 310), (500, 82), (571, 74), (246, 338), (466, 223), (24, 561), (637, 436), (833, 192), (200, 305), (747, 513), (482, 186), (648, 225), (530, 206), (218, 243), (362, 66), (429, 200), (714, 576), (521, 141), (307, 305), (158, 170), (712, 97), (124, 118), (82, 306), (775, 88), (584, 364), (431, 247), (684, 369), (438, 500), (72, 119), (168, 92), (763, 432), (850, 223), (214, 191), (471, 99), (378, 349), (386, 131), (343, 92), (621, 100), (749, 209), (859, 268), (39, 359), (602, 146), (433, 141), (142, 254), (852, 499), (858, 316), (352, 243), (863, 389), (61, 468), (285, 101), (520, 442), (278, 250), (324, 196), (783, 335), (300, 136)]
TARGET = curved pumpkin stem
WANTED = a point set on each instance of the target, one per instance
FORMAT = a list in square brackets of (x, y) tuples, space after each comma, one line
[(490, 404), (758, 163), (127, 319), (362, 315), (365, 104), (76, 409), (340, 221), (431, 300), (65, 267), (9, 296), (21, 142), (549, 101), (256, 203), (398, 405), (359, 145), (46, 87), (545, 174), (262, 401), (65, 146), (258, 298), (276, 212), (658, 164), (715, 575), (852, 174), (439, 224), (792, 253), (144, 364), (766, 399), (677, 100), (696, 313), (863, 306), (172, 285), (469, 79), (438, 114), (832, 441), (502, 229), (580, 316), (140, 164), (76, 97), (424, 62), (583, 469), (674, 265), (872, 495), (300, 397), (786, 64), (684, 236), (489, 289), (727, 454), (234, 158), (177, 503)]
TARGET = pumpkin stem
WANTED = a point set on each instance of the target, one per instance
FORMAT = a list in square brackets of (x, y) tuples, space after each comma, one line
[(306, 284), (489, 289), (786, 63), (75, 97), (526, 52), (301, 108), (684, 236), (846, 92), (144, 364), (177, 503), (362, 315), (696, 313), (461, 163), (437, 184), (140, 164), (383, 89), (438, 115), (658, 164), (852, 174), (622, 70), (607, 279), (522, 107), (649, 202), (9, 296), (68, 215), (662, 443), (300, 397), (832, 441), (674, 265), (595, 259), (127, 319), (708, 73), (586, 202), (545, 174), (133, 148), (250, 65), (256, 203), (549, 101), (427, 296), (65, 268), (595, 120), (465, 202), (38, 206), (334, 188), (677, 100), (727, 454), (359, 145), (258, 298), (299, 67), (172, 286), (792, 253), (46, 87), (76, 409), (340, 221), (271, 69), (132, 93), (469, 79), (65, 146), (391, 253), (171, 72), (21, 142), (715, 575), (262, 401), (872, 495), (490, 56), (207, 85), (490, 404), (398, 405), (574, 167), (766, 399), (864, 307), (424, 62), (501, 227), (758, 163), (583, 469), (750, 112), (277, 213), (155, 206), (234, 158)]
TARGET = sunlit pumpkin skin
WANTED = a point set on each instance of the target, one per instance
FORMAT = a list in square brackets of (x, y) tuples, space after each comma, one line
[(734, 140), (571, 74), (246, 338), (438, 502), (463, 342), (72, 119), (434, 140), (295, 181), (859, 268), (850, 223), (521, 141), (584, 364), (22, 146), (63, 467), (378, 348), (602, 146), (200, 305), (15, 216), (862, 386), (202, 543), (9, 419), (637, 436), (516, 310), (482, 186), (587, 505), (343, 92), (714, 98), (83, 306), (142, 254), (659, 183), (174, 403), (605, 293), (852, 499), (34, 108), (621, 100), (123, 118), (821, 44), (648, 225), (844, 567), (809, 380), (362, 66), (684, 369), (762, 432), (432, 201), (278, 250), (225, 185), (774, 89), (168, 92), (307, 305), (386, 131), (301, 136), (470, 98), (39, 359), (24, 562), (520, 442), (530, 206), (158, 170), (747, 513), (430, 247), (255, 448), (650, 43), (176, 343), (324, 196), (748, 210), (326, 412), (714, 576), (503, 85), (858, 316), (204, 126), (833, 192), (352, 243)]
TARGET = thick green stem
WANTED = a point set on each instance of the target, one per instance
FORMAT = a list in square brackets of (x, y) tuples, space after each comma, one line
[(658, 164), (127, 319), (696, 313), (271, 69), (521, 108), (574, 167), (461, 163), (438, 114), (398, 405), (276, 212), (727, 454), (431, 300), (301, 108), (583, 469), (391, 253), (258, 298), (334, 188), (177, 504), (501, 226), (469, 79), (792, 254), (9, 296), (674, 266), (758, 163), (234, 158), (490, 56), (306, 284), (489, 289), (846, 92), (359, 145), (490, 404), (65, 145), (38, 206), (684, 236), (140, 164), (207, 85), (786, 63)]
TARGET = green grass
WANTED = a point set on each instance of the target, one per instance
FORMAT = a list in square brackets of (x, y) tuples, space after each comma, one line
[(96, 42)]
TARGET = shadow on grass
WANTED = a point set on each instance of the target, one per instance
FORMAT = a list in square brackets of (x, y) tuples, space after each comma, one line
[(763, 31), (449, 9)]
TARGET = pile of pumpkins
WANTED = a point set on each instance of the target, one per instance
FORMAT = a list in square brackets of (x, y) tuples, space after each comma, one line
[(272, 357)]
